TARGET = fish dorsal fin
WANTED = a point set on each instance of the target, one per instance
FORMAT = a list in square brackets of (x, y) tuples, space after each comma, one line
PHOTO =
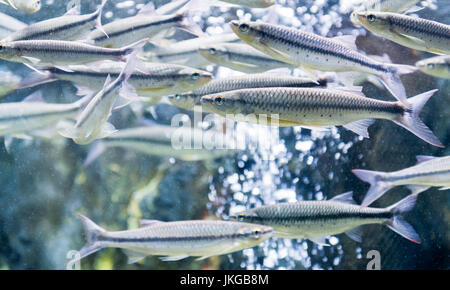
[(147, 223), (355, 234), (147, 9), (357, 90), (344, 198), (134, 257), (35, 97), (348, 41), (173, 258), (322, 241), (75, 10), (424, 158)]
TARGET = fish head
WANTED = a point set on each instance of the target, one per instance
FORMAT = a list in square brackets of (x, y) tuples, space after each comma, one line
[(6, 51), (185, 101), (225, 103), (249, 32), (30, 6), (375, 21), (434, 66), (193, 78), (214, 53), (249, 235)]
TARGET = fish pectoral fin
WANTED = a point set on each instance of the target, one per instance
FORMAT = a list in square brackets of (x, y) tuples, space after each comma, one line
[(344, 198), (322, 241), (134, 257), (173, 258), (147, 223), (33, 60), (276, 52), (355, 234), (360, 127), (416, 189)]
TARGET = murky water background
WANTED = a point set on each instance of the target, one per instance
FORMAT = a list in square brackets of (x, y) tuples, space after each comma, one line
[(44, 184)]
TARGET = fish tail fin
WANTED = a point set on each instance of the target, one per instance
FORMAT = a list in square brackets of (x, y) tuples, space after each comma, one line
[(393, 83), (410, 119), (186, 14), (95, 151), (99, 25), (378, 187), (398, 224), (92, 232)]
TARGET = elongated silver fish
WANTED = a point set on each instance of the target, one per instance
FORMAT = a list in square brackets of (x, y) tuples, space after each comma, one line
[(396, 6), (266, 80), (175, 240), (320, 108), (158, 140), (146, 24), (27, 6), (93, 123), (171, 7), (23, 117), (252, 3), (429, 171), (158, 80), (438, 66), (412, 32), (9, 25), (311, 51), (240, 57), (60, 52), (186, 52), (70, 26), (317, 219)]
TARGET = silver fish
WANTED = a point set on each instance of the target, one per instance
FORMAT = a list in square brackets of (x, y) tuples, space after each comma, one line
[(240, 57), (317, 219), (252, 3), (157, 140), (59, 52), (412, 32), (311, 51), (27, 6), (70, 26), (429, 171), (438, 66), (174, 240), (266, 80), (320, 108), (92, 123), (396, 6), (9, 25), (186, 52)]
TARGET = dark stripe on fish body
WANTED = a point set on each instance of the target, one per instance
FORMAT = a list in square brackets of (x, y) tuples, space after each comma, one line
[(61, 28), (420, 174), (175, 19), (424, 27), (321, 217), (95, 51), (138, 140), (324, 51), (16, 118)]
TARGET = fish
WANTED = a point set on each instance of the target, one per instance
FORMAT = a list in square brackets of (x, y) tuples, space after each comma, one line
[(252, 3), (240, 57), (174, 240), (9, 25), (61, 52), (186, 52), (438, 66), (428, 172), (146, 24), (172, 7), (311, 51), (157, 140), (22, 118), (412, 32), (315, 220), (152, 81), (26, 6), (396, 6), (265, 80), (70, 26), (92, 122), (320, 108)]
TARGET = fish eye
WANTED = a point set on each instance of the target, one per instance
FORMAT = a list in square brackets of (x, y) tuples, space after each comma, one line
[(244, 27), (177, 97), (257, 233), (371, 17), (430, 65), (219, 101), (212, 50), (195, 76)]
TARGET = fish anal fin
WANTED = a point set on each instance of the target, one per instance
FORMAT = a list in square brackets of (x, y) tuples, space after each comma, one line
[(416, 189), (355, 234), (134, 257), (173, 258), (322, 241), (360, 127)]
